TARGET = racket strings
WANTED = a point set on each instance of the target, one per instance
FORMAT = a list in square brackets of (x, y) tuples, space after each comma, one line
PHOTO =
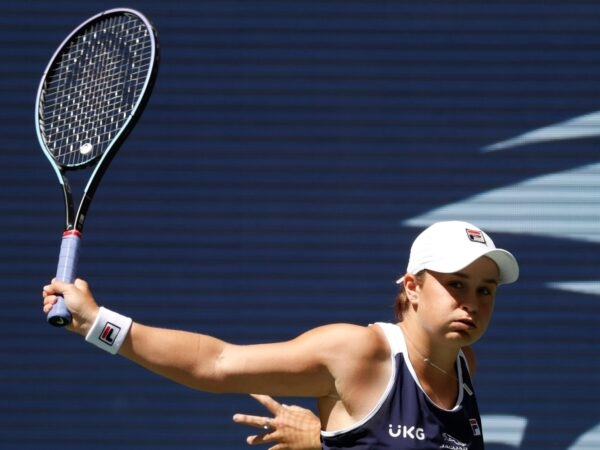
[(93, 88)]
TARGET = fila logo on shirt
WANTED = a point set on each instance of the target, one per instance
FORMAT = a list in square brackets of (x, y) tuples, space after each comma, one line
[(406, 432), (475, 427), (109, 333)]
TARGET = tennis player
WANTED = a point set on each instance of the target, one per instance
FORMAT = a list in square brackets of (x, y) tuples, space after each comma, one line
[(404, 385)]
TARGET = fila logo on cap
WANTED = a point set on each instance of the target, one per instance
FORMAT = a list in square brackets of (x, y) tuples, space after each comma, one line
[(110, 331), (475, 236)]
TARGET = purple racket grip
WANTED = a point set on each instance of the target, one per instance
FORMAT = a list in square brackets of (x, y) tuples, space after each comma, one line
[(59, 315)]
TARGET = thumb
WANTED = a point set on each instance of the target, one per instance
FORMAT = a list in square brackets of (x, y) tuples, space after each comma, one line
[(81, 284)]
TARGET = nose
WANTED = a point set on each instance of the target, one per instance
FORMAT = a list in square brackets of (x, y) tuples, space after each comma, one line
[(468, 302), (467, 308)]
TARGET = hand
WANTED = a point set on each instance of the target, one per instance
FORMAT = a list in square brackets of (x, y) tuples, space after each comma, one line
[(291, 428), (79, 300)]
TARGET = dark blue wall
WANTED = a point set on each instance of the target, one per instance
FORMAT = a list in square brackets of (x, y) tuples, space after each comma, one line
[(290, 153)]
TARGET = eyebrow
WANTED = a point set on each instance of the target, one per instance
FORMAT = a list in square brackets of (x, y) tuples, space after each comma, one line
[(465, 276)]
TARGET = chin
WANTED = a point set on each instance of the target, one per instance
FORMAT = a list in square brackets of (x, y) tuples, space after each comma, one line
[(463, 338)]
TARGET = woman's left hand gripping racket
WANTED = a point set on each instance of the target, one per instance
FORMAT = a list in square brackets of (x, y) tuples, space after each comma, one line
[(93, 91)]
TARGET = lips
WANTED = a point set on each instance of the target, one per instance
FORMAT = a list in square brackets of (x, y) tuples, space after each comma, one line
[(466, 323)]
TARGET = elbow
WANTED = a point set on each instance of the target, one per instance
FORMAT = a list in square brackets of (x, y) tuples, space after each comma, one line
[(210, 374)]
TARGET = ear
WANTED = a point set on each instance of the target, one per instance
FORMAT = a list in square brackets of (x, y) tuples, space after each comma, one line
[(410, 288)]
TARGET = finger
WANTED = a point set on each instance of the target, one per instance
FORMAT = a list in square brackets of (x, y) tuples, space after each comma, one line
[(50, 299), (61, 287), (254, 421), (57, 285), (48, 303), (47, 290), (259, 439), (268, 402)]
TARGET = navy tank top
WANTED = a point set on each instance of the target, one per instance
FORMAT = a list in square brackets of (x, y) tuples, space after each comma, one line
[(406, 419)]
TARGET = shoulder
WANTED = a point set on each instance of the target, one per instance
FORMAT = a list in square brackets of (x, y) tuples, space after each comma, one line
[(347, 351), (360, 340)]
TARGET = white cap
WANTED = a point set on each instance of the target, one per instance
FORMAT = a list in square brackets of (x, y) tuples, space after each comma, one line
[(448, 247)]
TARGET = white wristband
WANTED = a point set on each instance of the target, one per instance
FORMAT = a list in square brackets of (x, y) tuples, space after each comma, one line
[(109, 330)]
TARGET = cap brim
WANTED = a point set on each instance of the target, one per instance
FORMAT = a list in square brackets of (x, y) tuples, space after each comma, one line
[(508, 267)]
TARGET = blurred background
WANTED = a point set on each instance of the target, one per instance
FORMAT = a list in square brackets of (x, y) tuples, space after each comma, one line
[(289, 155)]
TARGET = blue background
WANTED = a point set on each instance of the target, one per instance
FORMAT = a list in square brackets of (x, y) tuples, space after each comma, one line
[(288, 157)]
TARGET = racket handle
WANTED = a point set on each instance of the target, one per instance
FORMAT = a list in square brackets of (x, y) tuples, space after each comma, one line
[(59, 315)]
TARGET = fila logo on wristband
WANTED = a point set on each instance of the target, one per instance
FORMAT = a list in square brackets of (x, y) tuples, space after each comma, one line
[(109, 333), (109, 330)]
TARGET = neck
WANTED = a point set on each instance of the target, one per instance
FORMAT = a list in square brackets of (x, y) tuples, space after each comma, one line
[(430, 358), (438, 379)]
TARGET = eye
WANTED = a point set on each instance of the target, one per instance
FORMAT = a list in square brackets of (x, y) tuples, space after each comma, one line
[(486, 291), (456, 284)]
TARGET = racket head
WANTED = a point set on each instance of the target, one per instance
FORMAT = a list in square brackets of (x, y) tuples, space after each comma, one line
[(95, 87)]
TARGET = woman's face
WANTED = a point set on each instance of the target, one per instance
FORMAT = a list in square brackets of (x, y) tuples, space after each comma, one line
[(458, 306)]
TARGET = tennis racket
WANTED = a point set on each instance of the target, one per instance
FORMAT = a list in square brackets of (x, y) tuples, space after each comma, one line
[(91, 94)]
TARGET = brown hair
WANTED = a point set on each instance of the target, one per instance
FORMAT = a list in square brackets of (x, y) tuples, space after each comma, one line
[(401, 303)]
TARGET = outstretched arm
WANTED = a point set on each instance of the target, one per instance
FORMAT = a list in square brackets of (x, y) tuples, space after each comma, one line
[(310, 365)]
